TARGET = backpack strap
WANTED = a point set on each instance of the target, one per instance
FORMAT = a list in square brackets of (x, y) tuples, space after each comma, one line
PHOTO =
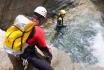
[(29, 37), (21, 41), (17, 37), (23, 32), (32, 33)]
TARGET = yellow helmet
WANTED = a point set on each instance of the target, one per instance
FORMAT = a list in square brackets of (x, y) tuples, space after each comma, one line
[(62, 12)]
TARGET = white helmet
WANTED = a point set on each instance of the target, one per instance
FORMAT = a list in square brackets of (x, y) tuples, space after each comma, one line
[(41, 10)]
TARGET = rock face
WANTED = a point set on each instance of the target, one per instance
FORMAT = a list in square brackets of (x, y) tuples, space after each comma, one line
[(9, 9), (5, 63), (99, 4)]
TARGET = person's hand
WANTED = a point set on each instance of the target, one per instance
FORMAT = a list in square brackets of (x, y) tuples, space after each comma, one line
[(48, 59), (48, 53)]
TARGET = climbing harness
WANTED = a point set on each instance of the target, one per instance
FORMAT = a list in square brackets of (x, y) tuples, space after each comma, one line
[(25, 63)]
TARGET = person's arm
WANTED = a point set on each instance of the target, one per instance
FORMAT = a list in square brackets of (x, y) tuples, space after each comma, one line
[(41, 43), (47, 53)]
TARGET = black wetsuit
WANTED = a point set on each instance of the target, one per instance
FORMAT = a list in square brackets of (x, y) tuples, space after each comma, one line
[(33, 57), (60, 24)]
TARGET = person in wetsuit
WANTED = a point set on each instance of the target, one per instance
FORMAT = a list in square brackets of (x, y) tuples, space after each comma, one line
[(60, 20), (37, 38)]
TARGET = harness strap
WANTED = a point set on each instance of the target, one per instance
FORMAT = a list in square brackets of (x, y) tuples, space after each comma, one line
[(31, 34)]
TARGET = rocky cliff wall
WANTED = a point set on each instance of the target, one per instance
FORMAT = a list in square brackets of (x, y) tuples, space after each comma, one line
[(9, 9)]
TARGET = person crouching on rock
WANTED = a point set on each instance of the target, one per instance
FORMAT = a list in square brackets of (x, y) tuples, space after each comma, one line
[(37, 38)]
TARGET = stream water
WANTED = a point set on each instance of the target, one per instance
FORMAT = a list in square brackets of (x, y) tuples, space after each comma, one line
[(82, 39)]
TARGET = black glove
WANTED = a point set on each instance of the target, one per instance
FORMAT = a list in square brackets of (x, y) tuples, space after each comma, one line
[(48, 59), (48, 55)]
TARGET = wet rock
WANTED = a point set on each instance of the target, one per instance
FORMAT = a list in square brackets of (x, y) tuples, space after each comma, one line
[(99, 5), (9, 9)]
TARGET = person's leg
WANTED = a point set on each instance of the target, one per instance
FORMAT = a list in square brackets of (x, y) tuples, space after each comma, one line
[(40, 64), (32, 57)]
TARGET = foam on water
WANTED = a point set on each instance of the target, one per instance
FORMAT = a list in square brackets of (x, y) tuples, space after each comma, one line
[(98, 45)]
